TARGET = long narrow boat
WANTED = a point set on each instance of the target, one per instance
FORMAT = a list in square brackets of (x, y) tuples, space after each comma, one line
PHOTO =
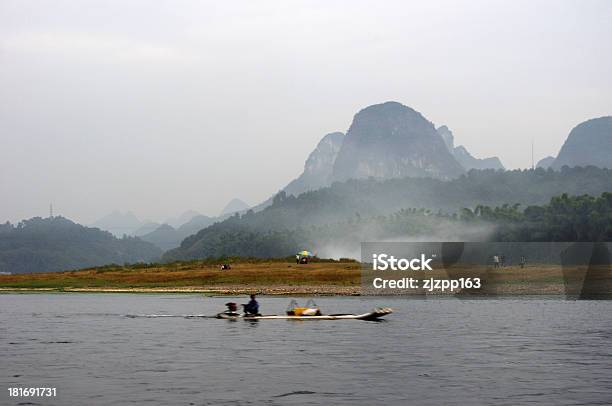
[(376, 314)]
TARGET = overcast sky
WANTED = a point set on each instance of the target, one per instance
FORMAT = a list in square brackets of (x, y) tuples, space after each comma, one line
[(159, 107)]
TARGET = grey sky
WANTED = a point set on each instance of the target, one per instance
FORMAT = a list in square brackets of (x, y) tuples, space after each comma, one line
[(159, 107)]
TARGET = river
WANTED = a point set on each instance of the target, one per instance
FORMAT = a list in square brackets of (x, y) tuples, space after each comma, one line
[(429, 351)]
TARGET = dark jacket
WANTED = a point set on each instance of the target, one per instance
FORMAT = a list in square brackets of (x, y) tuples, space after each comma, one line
[(252, 307)]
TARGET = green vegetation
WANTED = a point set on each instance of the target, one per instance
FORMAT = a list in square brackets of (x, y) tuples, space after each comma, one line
[(55, 244), (482, 205), (338, 214), (565, 218), (369, 198)]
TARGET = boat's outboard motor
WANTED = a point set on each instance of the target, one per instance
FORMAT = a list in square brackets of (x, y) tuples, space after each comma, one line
[(231, 312)]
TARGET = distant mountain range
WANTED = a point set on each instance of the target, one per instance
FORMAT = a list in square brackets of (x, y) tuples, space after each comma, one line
[(58, 244), (385, 141), (390, 140), (118, 223), (355, 200), (391, 159), (169, 234), (182, 219), (146, 228), (408, 163), (167, 237)]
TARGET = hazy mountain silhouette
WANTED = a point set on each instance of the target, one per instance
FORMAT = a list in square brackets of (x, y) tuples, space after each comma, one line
[(182, 219), (127, 223), (319, 166), (390, 140), (545, 163), (462, 155), (385, 141), (146, 228), (118, 223), (167, 237), (235, 205), (589, 143)]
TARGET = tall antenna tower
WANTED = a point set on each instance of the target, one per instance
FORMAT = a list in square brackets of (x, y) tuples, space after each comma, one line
[(532, 162), (51, 210)]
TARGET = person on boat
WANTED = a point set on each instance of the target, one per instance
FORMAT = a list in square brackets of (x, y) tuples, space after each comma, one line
[(252, 307)]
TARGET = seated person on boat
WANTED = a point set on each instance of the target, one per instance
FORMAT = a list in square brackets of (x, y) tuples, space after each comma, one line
[(252, 307)]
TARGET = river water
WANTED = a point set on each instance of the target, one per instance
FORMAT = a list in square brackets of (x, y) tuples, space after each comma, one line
[(430, 351)]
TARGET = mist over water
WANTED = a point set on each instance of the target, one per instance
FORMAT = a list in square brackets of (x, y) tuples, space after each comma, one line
[(349, 246)]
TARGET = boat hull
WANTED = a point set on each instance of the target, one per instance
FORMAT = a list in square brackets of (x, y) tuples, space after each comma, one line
[(373, 315)]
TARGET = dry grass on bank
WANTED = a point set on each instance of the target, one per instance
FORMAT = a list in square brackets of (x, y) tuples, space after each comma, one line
[(282, 277), (194, 274)]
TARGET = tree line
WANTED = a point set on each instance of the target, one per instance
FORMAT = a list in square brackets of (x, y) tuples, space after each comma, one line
[(564, 218)]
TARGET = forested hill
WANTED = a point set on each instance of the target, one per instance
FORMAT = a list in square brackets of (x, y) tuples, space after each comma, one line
[(370, 197), (565, 218), (361, 199), (56, 244)]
